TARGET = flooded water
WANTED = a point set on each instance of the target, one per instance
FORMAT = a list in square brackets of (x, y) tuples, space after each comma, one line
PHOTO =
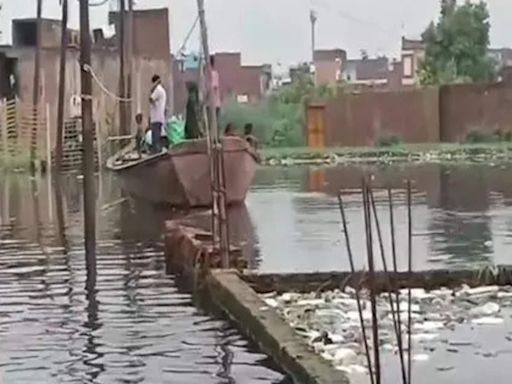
[(135, 326), (462, 215)]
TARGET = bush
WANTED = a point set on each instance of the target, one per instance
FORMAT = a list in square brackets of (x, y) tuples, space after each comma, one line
[(279, 120), (476, 136), (388, 141)]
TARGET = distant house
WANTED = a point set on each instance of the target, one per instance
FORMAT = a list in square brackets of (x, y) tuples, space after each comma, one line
[(413, 52), (328, 66), (501, 56), (367, 71)]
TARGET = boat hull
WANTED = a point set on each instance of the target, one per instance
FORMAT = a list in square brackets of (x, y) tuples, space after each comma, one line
[(181, 177)]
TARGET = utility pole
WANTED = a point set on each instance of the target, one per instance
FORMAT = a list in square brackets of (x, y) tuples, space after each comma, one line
[(122, 70), (216, 153), (88, 150), (313, 18), (62, 87), (37, 80)]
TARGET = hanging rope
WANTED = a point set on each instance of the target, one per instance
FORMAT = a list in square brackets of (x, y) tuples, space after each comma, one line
[(89, 69)]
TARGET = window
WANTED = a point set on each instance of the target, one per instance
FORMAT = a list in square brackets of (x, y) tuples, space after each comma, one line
[(407, 60)]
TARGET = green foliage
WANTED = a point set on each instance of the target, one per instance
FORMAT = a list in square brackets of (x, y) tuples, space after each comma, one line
[(456, 47), (388, 141), (477, 136), (279, 120)]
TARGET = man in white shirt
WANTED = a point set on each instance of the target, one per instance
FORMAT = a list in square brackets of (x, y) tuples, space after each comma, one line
[(158, 102)]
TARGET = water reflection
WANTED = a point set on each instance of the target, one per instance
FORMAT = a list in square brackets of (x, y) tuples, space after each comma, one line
[(460, 213), (124, 322)]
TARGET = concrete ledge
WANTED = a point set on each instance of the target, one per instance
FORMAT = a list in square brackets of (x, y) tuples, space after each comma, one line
[(264, 326), (189, 252), (431, 279)]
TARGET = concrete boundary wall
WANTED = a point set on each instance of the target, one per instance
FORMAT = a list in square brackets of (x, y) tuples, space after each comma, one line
[(424, 115), (264, 326)]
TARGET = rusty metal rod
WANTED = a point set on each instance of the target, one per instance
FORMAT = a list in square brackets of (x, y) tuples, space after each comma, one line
[(358, 298), (371, 269), (394, 314), (409, 298), (397, 292)]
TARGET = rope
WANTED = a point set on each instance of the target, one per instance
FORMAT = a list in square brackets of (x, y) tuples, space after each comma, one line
[(187, 37), (89, 69)]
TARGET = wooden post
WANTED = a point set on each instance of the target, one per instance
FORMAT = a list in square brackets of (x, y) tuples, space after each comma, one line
[(129, 76), (35, 94), (62, 88), (48, 138), (49, 161), (123, 123), (88, 149), (3, 127)]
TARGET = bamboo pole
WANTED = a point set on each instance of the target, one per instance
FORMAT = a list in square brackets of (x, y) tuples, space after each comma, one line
[(36, 85), (123, 122), (218, 187), (88, 149), (62, 87)]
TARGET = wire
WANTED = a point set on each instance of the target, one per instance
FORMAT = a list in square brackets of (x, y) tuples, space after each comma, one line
[(89, 69), (187, 37), (99, 4), (348, 16)]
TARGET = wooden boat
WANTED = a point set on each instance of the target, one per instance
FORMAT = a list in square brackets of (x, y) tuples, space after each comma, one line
[(181, 176)]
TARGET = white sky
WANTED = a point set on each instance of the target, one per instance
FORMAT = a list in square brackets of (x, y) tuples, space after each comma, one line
[(278, 31)]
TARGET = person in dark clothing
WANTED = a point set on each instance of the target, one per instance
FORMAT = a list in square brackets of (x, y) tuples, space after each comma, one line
[(230, 130), (193, 114), (249, 137)]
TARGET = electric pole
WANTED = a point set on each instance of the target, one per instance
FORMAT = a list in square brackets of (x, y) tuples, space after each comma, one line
[(88, 149), (36, 90), (62, 87), (313, 17)]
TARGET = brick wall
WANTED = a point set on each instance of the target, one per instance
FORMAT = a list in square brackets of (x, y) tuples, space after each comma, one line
[(445, 114), (361, 119), (482, 107)]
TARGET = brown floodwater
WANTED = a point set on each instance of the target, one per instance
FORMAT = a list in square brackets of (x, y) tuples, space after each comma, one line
[(136, 326), (132, 326)]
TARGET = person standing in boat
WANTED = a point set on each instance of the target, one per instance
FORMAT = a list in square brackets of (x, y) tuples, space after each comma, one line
[(215, 82), (249, 137), (158, 102)]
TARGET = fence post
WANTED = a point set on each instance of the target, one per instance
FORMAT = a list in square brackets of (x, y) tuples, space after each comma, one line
[(48, 139), (3, 128)]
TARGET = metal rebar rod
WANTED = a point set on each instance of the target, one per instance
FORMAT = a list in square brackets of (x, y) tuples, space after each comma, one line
[(409, 298), (371, 269), (394, 314), (358, 298), (397, 291)]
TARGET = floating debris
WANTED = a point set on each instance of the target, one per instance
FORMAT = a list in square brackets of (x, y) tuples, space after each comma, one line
[(329, 321)]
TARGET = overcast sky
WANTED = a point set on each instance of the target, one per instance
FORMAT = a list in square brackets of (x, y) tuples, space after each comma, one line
[(278, 31)]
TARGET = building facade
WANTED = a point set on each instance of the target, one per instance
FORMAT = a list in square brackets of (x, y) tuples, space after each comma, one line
[(17, 67)]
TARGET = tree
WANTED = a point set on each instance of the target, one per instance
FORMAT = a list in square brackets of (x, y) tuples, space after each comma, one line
[(456, 47)]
